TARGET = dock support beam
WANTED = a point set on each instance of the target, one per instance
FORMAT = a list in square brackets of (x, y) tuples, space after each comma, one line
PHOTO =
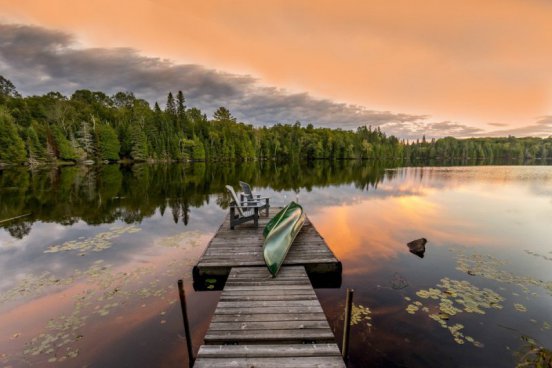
[(182, 295), (347, 324)]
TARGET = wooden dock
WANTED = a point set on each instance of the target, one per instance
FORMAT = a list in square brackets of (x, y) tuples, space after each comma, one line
[(262, 321), (242, 247)]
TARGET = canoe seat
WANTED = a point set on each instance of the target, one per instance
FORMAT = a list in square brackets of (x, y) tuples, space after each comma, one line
[(243, 211)]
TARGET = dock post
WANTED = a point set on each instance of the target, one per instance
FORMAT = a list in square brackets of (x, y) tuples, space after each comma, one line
[(347, 324), (182, 295)]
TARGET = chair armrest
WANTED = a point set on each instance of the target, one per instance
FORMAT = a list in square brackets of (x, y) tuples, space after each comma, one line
[(246, 205), (258, 196), (247, 201), (251, 205)]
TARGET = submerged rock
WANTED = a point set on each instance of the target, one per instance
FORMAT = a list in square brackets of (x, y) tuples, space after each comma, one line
[(417, 247)]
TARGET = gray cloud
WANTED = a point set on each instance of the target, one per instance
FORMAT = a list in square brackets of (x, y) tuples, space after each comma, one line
[(39, 60), (413, 129), (542, 127)]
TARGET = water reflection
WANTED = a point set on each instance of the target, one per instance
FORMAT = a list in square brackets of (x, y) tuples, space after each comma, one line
[(494, 211), (89, 275), (105, 194)]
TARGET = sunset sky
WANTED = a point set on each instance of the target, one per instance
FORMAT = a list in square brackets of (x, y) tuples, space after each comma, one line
[(465, 68)]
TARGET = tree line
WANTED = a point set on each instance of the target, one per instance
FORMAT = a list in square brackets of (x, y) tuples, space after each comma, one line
[(489, 149), (90, 126)]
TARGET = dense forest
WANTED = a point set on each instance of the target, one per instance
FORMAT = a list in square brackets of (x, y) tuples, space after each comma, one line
[(488, 149), (90, 126)]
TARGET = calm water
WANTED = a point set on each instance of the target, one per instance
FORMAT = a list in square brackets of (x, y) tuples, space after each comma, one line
[(89, 274)]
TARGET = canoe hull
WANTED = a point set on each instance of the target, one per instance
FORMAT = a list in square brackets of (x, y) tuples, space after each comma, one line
[(279, 235)]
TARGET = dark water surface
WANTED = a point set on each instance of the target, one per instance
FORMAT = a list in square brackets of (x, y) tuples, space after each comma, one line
[(89, 274)]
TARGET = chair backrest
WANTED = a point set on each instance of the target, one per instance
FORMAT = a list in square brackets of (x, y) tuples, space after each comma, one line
[(235, 198), (247, 190)]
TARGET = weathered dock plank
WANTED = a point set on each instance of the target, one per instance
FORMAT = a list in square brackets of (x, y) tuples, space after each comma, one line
[(243, 351), (268, 295), (273, 362), (243, 248), (262, 321)]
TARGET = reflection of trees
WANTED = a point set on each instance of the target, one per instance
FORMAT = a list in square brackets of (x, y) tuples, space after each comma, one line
[(20, 229), (130, 193)]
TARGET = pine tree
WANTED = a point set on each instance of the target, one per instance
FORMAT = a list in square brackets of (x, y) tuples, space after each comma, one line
[(170, 109), (181, 118), (139, 143), (35, 151), (223, 114), (108, 143), (182, 123), (170, 117)]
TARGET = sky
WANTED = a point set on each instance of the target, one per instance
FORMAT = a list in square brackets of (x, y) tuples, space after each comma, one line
[(460, 68)]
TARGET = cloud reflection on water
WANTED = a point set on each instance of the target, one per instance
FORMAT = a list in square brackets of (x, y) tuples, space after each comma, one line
[(462, 207)]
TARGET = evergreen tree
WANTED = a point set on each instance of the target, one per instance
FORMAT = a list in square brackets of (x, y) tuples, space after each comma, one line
[(62, 147), (170, 109), (181, 112), (171, 121), (223, 114), (156, 108), (108, 143), (139, 143), (35, 150), (12, 147)]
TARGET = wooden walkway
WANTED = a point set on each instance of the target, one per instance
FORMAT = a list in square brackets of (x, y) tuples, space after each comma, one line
[(243, 248), (262, 321)]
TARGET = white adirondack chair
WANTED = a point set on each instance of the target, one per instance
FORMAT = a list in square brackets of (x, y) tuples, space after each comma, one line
[(242, 211), (248, 196)]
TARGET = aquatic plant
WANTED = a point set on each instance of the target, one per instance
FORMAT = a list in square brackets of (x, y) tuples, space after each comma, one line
[(97, 243), (454, 297), (34, 284), (107, 291), (490, 268), (520, 307), (210, 283), (187, 238), (533, 354), (360, 313)]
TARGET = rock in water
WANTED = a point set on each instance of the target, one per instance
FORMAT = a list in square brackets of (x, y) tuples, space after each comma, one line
[(417, 247)]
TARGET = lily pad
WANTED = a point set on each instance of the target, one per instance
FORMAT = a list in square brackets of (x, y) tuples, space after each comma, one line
[(455, 297), (97, 243), (360, 313), (520, 307)]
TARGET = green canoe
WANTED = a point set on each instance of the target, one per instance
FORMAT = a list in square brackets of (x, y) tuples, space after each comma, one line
[(279, 233)]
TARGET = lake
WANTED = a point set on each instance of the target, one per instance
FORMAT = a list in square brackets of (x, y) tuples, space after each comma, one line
[(89, 271)]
